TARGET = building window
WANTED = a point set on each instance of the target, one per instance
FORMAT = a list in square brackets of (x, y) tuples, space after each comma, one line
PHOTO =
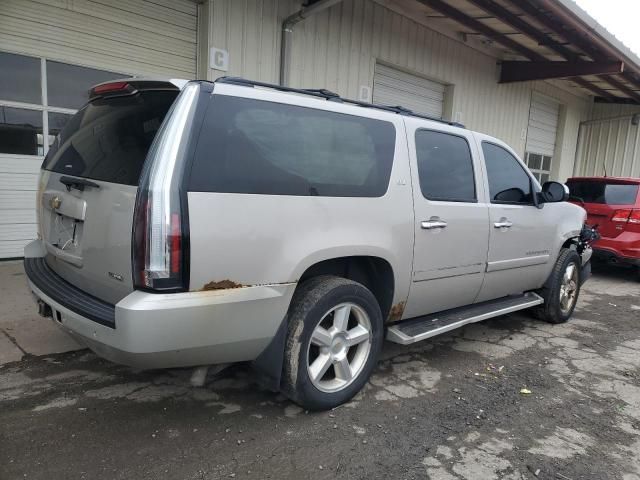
[(540, 166), (37, 98)]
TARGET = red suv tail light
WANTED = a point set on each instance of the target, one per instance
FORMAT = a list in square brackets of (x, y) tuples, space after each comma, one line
[(635, 217), (621, 215), (160, 239)]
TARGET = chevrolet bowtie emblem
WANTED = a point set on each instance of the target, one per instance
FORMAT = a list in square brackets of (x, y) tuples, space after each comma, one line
[(55, 203)]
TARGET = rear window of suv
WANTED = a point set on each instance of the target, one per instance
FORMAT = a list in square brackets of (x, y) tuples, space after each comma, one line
[(603, 192), (108, 139), (258, 147)]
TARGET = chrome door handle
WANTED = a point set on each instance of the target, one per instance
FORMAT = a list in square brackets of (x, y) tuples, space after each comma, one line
[(503, 223), (433, 223)]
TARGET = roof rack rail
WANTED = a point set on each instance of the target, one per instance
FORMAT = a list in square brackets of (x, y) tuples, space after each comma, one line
[(333, 97)]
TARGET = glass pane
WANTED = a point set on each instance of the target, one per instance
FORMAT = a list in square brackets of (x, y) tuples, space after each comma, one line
[(445, 167), (599, 191), (508, 182), (534, 161), (57, 121), (546, 165), (20, 78), (269, 148), (20, 131), (109, 139), (68, 85), (544, 177)]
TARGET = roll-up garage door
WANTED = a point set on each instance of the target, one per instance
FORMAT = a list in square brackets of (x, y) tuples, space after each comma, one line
[(51, 52), (395, 87), (541, 136)]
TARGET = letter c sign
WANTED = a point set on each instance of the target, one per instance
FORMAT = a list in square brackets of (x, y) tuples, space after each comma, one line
[(219, 59)]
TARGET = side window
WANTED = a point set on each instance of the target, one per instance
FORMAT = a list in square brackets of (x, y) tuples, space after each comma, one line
[(508, 181), (259, 147), (445, 167)]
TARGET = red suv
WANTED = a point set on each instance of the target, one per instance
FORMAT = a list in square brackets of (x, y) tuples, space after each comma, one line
[(613, 204)]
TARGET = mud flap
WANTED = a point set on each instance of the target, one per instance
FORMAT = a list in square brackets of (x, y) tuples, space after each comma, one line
[(585, 272), (269, 363)]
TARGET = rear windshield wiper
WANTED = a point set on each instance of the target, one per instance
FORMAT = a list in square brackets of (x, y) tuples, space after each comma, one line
[(77, 183)]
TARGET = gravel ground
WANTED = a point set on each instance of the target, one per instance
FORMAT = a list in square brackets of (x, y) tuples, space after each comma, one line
[(450, 408)]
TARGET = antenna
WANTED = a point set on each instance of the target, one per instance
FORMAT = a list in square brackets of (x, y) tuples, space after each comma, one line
[(604, 167)]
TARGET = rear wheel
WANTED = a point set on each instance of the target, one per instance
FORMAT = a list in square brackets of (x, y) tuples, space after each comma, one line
[(334, 340), (562, 289)]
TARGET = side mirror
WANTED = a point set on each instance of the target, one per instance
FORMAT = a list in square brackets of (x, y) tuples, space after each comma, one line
[(553, 192)]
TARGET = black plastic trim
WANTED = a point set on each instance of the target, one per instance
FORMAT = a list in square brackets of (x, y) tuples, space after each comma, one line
[(67, 295)]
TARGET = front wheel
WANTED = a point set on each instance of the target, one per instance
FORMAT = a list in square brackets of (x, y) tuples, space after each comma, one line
[(562, 289), (334, 339)]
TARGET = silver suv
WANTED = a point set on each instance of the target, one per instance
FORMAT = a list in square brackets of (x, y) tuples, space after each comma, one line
[(198, 223)]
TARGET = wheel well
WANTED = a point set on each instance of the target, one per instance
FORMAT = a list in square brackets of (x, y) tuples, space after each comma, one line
[(569, 242), (374, 273)]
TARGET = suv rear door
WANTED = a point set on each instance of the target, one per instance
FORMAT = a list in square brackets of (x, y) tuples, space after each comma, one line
[(89, 181), (451, 225)]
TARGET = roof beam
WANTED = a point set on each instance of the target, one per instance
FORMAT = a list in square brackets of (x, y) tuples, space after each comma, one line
[(526, 28), (525, 71), (507, 42), (480, 27), (602, 51)]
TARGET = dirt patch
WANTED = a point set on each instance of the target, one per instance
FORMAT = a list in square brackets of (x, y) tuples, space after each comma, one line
[(221, 285)]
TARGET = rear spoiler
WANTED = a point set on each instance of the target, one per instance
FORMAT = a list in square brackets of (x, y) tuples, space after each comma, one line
[(131, 86)]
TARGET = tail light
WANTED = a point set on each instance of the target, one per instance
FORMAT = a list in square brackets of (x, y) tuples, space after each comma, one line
[(159, 233), (635, 217), (621, 215), (111, 88)]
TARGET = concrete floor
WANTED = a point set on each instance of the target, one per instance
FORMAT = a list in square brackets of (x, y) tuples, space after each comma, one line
[(22, 330), (449, 408)]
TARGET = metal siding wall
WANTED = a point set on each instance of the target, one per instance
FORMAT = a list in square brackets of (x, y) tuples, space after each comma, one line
[(610, 142), (129, 36), (338, 48)]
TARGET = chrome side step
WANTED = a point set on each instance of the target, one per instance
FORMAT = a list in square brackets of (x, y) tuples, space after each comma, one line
[(421, 328)]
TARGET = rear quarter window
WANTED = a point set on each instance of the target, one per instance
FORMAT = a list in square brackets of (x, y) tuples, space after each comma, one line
[(604, 193), (258, 147)]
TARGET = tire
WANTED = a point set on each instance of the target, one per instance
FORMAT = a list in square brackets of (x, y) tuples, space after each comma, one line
[(560, 297), (318, 310)]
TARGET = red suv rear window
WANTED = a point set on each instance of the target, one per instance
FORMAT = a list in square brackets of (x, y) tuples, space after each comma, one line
[(592, 191)]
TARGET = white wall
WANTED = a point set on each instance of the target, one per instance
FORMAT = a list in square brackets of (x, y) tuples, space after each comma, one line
[(610, 142), (337, 49)]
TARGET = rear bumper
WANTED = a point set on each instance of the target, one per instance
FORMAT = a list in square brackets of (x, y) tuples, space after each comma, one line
[(611, 255), (175, 330), (625, 248)]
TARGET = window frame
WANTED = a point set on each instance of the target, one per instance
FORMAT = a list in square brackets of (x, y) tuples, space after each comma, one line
[(539, 171), (43, 106), (473, 167), (532, 190), (267, 101)]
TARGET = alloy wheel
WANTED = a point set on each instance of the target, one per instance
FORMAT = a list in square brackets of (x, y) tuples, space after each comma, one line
[(339, 347)]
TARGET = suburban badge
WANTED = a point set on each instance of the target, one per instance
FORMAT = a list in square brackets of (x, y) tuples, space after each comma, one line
[(116, 276)]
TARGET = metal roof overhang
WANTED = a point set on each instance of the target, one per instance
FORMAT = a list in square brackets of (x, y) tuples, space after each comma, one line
[(544, 39)]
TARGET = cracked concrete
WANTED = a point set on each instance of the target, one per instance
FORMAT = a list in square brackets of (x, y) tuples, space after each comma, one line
[(449, 409), (22, 331)]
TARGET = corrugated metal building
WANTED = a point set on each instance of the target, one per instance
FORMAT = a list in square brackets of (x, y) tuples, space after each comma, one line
[(462, 60)]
